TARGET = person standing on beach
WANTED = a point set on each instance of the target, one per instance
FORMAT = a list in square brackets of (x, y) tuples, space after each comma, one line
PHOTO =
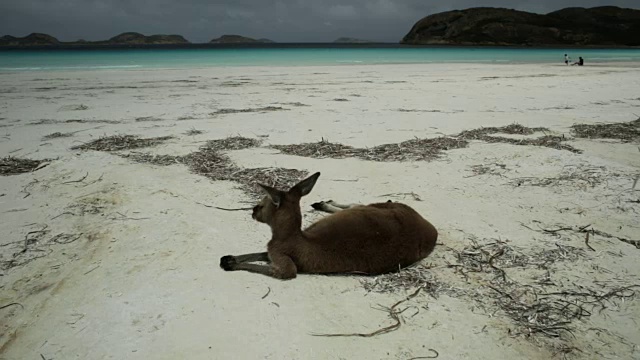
[(566, 59)]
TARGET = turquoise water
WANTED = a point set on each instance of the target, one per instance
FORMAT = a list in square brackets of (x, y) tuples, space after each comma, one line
[(35, 60)]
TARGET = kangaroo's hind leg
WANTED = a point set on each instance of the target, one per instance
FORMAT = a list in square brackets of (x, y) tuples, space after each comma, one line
[(331, 206), (229, 261)]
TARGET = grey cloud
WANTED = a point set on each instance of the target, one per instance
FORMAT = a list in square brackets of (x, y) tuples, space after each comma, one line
[(280, 20)]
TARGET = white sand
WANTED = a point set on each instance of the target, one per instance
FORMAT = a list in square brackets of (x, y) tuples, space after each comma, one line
[(143, 282)]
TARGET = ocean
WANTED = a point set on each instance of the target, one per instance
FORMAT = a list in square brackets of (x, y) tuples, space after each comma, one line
[(309, 54)]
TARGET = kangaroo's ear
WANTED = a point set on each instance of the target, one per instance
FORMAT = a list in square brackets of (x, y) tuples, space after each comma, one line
[(274, 194), (305, 186)]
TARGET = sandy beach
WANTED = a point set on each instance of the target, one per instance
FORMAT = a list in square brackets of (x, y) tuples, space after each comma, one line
[(113, 253)]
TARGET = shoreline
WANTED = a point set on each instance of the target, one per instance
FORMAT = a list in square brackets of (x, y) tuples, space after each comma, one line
[(488, 63)]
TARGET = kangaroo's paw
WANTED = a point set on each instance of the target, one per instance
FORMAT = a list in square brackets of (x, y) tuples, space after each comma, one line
[(318, 205), (228, 262)]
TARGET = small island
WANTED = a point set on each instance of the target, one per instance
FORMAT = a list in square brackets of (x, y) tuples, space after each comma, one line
[(238, 39), (134, 38), (348, 40)]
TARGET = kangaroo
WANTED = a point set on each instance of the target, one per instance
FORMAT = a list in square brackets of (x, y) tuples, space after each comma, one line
[(366, 239)]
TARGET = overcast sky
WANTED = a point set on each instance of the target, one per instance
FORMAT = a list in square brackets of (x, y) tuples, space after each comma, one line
[(279, 20)]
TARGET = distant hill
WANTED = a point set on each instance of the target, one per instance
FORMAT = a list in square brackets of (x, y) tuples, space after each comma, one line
[(128, 38), (348, 40), (238, 39), (134, 38), (33, 39), (605, 25)]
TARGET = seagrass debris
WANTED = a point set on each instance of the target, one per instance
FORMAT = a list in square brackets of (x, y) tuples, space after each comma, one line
[(210, 161), (579, 176), (13, 166), (514, 129), (425, 149), (57, 135), (193, 131), (626, 131), (540, 307), (33, 246), (121, 142), (550, 141), (415, 149), (248, 110)]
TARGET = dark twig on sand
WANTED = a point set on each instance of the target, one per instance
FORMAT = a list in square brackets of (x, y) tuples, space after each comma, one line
[(586, 242), (267, 294), (395, 315), (12, 304), (585, 229), (222, 208), (28, 240), (435, 355), (122, 216), (77, 181), (415, 196), (63, 239)]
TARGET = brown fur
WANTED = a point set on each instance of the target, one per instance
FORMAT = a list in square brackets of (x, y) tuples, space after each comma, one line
[(369, 239)]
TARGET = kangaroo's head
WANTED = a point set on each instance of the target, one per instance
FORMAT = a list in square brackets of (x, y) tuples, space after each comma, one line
[(282, 208)]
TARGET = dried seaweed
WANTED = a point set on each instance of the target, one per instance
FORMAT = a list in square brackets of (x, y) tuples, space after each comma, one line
[(550, 141), (73, 107), (280, 178), (72, 121), (56, 135), (580, 176), (248, 110), (34, 246), (210, 161), (147, 118), (295, 103), (532, 307), (415, 149), (539, 308), (193, 131), (490, 169), (627, 131), (121, 142), (588, 229), (514, 129), (153, 159), (406, 279), (232, 143), (320, 150), (13, 166), (82, 121), (395, 315)]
